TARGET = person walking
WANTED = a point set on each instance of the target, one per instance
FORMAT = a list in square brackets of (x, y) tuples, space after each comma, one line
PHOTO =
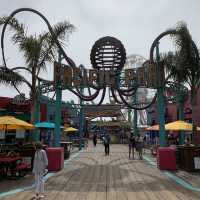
[(139, 146), (106, 141), (95, 139), (131, 146), (39, 169)]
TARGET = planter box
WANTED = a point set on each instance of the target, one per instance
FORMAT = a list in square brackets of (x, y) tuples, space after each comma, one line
[(55, 158)]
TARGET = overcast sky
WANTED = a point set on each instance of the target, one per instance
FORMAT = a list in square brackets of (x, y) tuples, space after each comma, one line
[(135, 22)]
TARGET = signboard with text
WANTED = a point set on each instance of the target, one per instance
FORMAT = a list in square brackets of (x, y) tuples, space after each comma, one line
[(74, 77)]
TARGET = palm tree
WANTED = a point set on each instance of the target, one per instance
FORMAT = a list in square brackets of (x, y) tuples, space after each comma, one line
[(8, 77), (186, 67), (38, 50)]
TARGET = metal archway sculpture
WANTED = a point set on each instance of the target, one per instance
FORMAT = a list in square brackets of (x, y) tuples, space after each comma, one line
[(108, 53)]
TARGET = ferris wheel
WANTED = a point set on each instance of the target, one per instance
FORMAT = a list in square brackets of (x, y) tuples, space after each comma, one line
[(134, 61)]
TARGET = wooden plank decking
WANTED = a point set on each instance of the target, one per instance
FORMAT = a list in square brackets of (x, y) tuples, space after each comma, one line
[(94, 176)]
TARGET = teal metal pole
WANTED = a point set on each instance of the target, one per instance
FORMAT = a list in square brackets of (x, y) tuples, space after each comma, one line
[(81, 123), (36, 135), (180, 100), (160, 102), (58, 109), (135, 117), (81, 126)]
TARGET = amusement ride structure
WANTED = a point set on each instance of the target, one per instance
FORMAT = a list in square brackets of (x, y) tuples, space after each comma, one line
[(108, 57)]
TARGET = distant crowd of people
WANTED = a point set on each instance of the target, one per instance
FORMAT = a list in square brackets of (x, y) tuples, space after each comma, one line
[(136, 143)]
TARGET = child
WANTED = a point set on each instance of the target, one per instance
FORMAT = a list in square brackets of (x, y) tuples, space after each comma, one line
[(39, 169)]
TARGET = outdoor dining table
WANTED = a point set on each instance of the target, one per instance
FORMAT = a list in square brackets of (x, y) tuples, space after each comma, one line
[(7, 164)]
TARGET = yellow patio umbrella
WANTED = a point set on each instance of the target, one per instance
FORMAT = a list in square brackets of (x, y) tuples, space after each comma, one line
[(70, 129), (12, 123), (179, 126), (174, 126)]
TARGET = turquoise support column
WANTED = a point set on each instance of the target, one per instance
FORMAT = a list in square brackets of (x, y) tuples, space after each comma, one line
[(58, 110), (135, 128), (180, 101), (81, 125), (135, 118), (81, 122), (160, 101), (36, 134)]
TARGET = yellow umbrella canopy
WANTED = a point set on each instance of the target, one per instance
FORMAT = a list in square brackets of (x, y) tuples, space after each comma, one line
[(179, 126), (10, 123), (70, 129), (174, 126)]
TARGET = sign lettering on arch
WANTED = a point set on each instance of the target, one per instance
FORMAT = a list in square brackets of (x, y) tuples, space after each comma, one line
[(75, 77)]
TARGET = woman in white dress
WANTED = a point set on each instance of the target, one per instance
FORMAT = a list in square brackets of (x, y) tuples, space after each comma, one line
[(39, 168)]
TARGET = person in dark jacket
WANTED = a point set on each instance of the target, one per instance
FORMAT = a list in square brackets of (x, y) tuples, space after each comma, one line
[(131, 145), (95, 139), (106, 141)]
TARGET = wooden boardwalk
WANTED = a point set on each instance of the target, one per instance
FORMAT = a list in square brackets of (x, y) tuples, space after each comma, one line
[(94, 176)]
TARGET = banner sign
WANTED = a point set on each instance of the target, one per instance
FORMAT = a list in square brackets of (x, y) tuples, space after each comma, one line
[(74, 77)]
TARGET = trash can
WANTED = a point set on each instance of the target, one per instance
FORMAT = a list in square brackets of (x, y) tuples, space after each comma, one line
[(55, 158), (166, 158)]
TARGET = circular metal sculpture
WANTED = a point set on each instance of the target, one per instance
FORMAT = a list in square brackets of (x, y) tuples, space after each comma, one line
[(108, 53)]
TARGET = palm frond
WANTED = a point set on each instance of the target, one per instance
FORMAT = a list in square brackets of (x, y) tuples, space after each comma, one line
[(173, 66), (61, 30), (16, 27), (184, 43), (31, 48), (8, 77)]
